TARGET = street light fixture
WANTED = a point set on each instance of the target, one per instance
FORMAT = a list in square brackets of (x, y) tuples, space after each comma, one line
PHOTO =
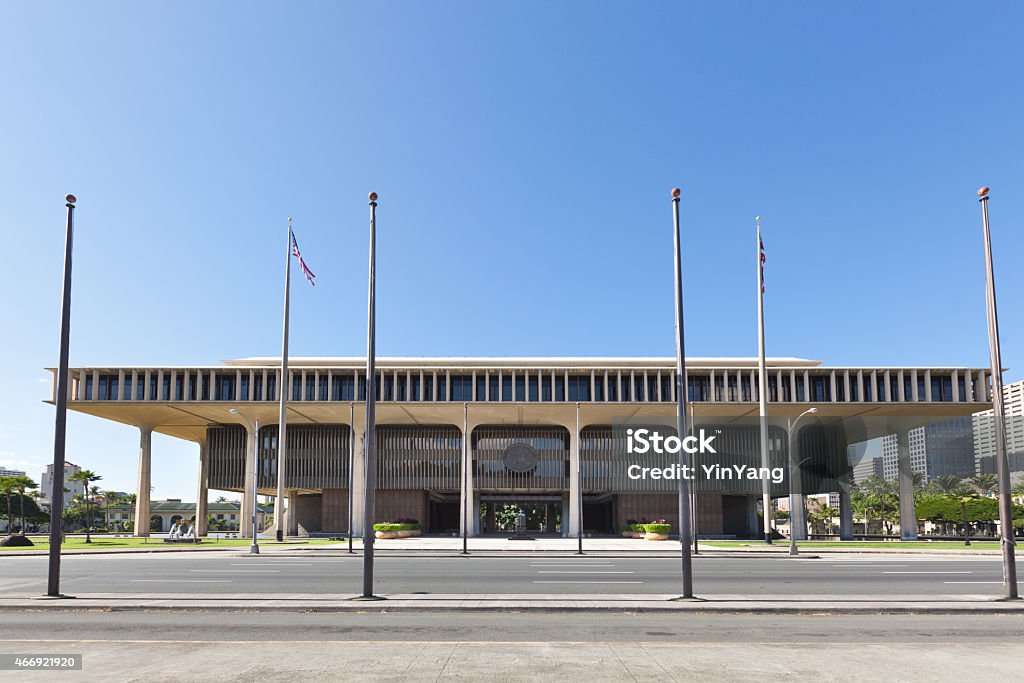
[(254, 549), (793, 551)]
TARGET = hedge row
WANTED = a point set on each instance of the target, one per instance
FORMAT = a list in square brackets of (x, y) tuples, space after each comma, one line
[(648, 528), (392, 526)]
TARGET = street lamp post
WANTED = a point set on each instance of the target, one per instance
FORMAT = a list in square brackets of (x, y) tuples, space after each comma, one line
[(254, 549), (998, 412), (963, 512), (793, 464)]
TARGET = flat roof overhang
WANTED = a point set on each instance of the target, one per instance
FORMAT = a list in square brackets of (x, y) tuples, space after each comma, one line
[(189, 420)]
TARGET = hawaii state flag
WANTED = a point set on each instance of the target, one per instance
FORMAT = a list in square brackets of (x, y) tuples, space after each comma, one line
[(305, 269), (763, 259)]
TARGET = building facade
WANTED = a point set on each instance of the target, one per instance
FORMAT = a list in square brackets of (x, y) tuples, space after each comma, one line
[(447, 429), (984, 431), (936, 450), (72, 488)]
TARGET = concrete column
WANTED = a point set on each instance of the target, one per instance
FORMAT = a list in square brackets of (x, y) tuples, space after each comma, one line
[(358, 491), (575, 512), (845, 515), (202, 491), (908, 518), (291, 517), (249, 495), (466, 491), (142, 506), (798, 517), (754, 529)]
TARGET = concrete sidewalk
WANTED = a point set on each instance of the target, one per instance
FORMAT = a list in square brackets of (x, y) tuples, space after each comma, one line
[(734, 604)]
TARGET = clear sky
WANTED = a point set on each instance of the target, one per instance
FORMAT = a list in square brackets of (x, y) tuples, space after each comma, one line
[(523, 153)]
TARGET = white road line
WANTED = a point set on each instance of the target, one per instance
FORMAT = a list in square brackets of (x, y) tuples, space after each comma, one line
[(181, 580), (973, 582), (276, 564), (927, 572), (583, 571), (235, 571), (569, 598), (585, 566), (869, 565)]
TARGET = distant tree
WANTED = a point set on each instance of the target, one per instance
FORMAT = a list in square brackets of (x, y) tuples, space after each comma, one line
[(86, 477), (24, 483), (825, 514), (985, 483), (8, 485), (948, 485)]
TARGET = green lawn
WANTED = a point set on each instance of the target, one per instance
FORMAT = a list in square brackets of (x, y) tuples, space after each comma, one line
[(99, 542), (892, 545)]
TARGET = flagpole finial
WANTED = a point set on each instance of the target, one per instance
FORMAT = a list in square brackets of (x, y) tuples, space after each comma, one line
[(70, 198), (290, 219), (373, 196), (676, 192), (983, 192)]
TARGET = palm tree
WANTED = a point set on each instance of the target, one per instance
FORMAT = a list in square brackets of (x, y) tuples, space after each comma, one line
[(985, 483), (86, 477), (24, 483), (8, 485), (1018, 489), (948, 485), (826, 513), (862, 506), (879, 488)]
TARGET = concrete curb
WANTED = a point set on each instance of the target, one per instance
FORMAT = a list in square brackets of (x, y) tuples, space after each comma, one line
[(714, 604)]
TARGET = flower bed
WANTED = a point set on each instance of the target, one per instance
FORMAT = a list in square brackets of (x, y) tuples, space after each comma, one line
[(652, 531), (399, 529)]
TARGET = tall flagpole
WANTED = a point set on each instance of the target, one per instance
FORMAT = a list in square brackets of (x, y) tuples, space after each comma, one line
[(681, 388), (998, 412), (282, 429), (60, 426), (370, 450), (762, 391)]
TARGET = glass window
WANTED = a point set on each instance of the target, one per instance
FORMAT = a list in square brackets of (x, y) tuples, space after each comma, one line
[(840, 389), (652, 387), (127, 388), (613, 387), (908, 387), (853, 388), (271, 387), (520, 387), (462, 388), (545, 387), (880, 388), (481, 387), (962, 389), (388, 386), (559, 387), (626, 393), (533, 391), (666, 386), (920, 387), (245, 387), (401, 391), (745, 387), (323, 388), (428, 386), (495, 389), (442, 387), (140, 389), (506, 387), (821, 389), (599, 387), (579, 388), (296, 381), (773, 388), (800, 389)]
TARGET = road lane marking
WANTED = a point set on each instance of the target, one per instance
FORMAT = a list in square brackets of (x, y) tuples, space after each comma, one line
[(276, 564), (583, 571), (998, 582), (181, 580), (588, 582), (927, 572), (235, 571)]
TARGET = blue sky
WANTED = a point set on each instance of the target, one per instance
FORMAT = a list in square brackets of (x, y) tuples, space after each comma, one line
[(523, 153)]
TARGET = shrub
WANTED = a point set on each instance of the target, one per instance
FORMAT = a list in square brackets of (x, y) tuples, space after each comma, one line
[(396, 526), (657, 528)]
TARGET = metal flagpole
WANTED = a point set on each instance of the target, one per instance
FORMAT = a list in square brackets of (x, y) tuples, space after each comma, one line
[(370, 450), (282, 429), (998, 412), (351, 465), (681, 384), (693, 505), (465, 479), (762, 390), (60, 426)]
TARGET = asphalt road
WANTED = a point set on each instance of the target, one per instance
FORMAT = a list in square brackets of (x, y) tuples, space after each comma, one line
[(333, 572)]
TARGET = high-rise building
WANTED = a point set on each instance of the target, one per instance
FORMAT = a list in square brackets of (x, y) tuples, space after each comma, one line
[(984, 431), (72, 488), (867, 468), (936, 450), (11, 473)]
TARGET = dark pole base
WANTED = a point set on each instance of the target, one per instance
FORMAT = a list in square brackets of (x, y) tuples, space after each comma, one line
[(58, 596), (254, 549), (689, 599), (280, 533), (768, 538), (367, 598)]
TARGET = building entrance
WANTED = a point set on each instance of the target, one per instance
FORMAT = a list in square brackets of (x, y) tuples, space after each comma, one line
[(498, 514)]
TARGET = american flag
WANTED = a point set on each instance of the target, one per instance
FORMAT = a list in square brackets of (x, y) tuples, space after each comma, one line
[(305, 269), (763, 259)]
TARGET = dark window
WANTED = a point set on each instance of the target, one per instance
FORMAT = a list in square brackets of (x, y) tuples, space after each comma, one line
[(773, 389), (165, 391), (388, 386), (787, 390), (296, 380), (506, 387), (733, 392), (225, 387), (880, 388), (745, 387), (495, 388), (800, 389), (271, 387), (428, 387), (361, 388), (533, 388), (481, 388), (613, 387), (666, 387), (545, 387), (920, 387), (719, 388), (559, 387), (343, 388), (520, 387), (442, 387), (462, 388), (821, 389), (853, 389), (323, 390), (579, 388), (414, 388), (698, 388), (401, 392), (868, 394), (962, 389), (599, 388), (140, 389), (840, 390), (179, 387), (908, 387)]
